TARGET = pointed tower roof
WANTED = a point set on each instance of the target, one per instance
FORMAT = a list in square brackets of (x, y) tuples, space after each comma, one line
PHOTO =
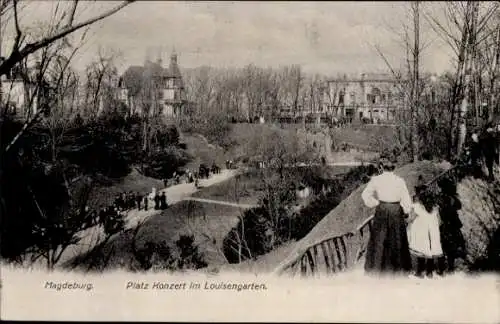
[(173, 68)]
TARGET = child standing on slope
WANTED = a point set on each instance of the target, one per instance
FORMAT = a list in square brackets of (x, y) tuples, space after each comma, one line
[(423, 233)]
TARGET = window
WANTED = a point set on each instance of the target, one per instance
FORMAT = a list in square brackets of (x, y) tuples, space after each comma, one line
[(353, 97), (341, 98)]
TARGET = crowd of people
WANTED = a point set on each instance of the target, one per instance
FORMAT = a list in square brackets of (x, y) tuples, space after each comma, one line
[(189, 176), (110, 217), (128, 201)]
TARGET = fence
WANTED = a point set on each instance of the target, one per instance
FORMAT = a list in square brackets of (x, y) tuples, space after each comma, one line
[(334, 254)]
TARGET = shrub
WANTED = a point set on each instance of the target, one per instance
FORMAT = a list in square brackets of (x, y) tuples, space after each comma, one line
[(162, 164), (214, 127), (160, 256)]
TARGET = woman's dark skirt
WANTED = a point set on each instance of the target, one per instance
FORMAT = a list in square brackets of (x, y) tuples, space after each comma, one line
[(388, 251)]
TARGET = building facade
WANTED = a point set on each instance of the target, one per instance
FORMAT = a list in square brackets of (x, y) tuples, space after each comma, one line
[(371, 97), (160, 90), (17, 95)]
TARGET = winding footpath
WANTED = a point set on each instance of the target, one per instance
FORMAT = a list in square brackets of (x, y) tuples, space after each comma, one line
[(92, 236), (220, 202)]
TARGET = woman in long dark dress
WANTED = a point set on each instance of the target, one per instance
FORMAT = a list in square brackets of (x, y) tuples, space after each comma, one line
[(388, 251)]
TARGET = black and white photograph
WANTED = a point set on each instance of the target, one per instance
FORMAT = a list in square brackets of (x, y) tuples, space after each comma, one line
[(211, 146)]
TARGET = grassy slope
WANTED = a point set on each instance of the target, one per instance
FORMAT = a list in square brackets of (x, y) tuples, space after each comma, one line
[(203, 152), (370, 136), (363, 137), (208, 222), (247, 188), (243, 188)]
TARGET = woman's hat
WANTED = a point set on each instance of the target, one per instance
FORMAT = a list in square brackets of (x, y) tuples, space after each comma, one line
[(387, 160)]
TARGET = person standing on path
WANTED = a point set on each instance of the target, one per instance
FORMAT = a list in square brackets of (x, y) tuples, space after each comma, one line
[(138, 199), (146, 200), (489, 148), (163, 201), (388, 251), (423, 234), (475, 156), (157, 201)]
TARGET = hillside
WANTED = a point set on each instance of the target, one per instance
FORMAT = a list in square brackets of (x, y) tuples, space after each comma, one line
[(209, 223), (202, 151), (366, 140), (480, 216), (347, 216)]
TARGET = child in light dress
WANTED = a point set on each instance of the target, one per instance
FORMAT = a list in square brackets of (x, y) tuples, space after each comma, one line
[(423, 233)]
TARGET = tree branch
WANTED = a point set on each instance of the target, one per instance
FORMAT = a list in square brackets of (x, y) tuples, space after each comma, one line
[(17, 56), (72, 14), (17, 41)]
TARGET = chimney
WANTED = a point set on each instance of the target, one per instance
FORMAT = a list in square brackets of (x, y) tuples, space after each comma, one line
[(159, 60), (173, 57)]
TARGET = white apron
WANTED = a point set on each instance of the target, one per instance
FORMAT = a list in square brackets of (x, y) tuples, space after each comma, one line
[(423, 233)]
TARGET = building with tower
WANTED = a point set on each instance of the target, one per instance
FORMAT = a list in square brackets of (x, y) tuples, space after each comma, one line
[(154, 89)]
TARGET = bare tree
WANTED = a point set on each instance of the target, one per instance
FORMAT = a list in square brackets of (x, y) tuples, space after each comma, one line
[(64, 26), (464, 27), (100, 89), (409, 83), (59, 28)]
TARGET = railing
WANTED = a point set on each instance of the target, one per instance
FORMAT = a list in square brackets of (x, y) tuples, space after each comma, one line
[(334, 254)]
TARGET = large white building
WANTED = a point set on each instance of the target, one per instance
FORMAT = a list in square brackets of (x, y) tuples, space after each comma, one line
[(377, 97)]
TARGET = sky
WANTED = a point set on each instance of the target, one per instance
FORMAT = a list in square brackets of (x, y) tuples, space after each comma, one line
[(323, 37)]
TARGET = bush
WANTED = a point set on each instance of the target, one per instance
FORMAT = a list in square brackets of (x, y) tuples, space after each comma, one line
[(214, 127), (163, 164), (160, 256), (248, 239)]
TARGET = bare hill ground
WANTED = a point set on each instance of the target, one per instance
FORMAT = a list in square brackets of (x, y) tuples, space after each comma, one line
[(480, 216)]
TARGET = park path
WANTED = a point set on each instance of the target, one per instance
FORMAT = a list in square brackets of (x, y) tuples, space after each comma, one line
[(175, 194), (220, 202), (92, 236)]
